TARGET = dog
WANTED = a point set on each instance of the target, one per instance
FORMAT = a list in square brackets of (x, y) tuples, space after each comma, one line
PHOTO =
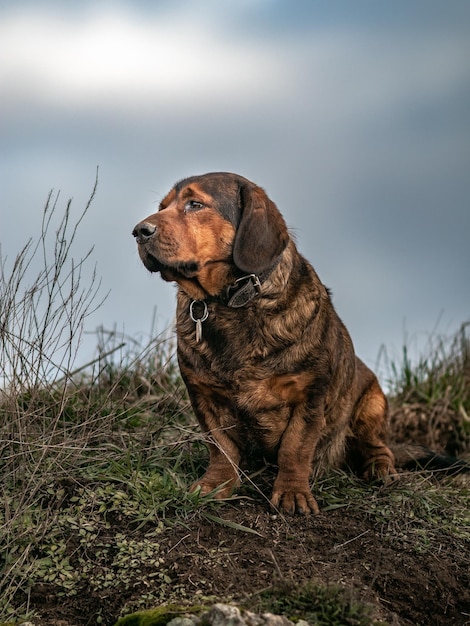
[(269, 366)]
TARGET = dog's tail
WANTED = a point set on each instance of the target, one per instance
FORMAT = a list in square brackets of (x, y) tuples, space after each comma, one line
[(411, 457)]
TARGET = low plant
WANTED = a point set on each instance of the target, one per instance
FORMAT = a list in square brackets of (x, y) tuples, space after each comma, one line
[(443, 372), (430, 398), (317, 603)]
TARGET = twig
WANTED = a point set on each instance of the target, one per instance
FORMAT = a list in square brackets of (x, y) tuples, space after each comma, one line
[(341, 545), (92, 362)]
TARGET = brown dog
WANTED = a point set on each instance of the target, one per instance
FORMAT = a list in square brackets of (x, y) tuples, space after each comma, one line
[(269, 366)]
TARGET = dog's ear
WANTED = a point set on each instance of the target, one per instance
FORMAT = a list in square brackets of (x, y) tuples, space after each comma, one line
[(262, 233)]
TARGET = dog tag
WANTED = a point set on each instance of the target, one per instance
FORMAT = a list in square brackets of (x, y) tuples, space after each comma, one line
[(198, 330), (198, 320)]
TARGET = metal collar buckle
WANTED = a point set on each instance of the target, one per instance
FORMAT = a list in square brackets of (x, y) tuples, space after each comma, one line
[(254, 279), (242, 290)]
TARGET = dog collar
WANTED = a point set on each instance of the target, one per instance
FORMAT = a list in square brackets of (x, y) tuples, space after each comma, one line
[(245, 288), (237, 295)]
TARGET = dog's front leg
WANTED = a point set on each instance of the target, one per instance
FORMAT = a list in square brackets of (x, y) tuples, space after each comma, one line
[(291, 491), (215, 419), (222, 473)]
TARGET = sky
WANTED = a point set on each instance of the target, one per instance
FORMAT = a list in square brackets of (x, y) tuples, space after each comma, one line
[(353, 116)]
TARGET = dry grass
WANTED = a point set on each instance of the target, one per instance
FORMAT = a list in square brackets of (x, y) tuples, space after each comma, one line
[(431, 399)]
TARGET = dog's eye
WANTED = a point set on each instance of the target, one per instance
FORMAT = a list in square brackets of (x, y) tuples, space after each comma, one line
[(192, 205)]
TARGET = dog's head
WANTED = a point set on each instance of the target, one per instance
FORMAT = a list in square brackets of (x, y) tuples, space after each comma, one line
[(209, 230)]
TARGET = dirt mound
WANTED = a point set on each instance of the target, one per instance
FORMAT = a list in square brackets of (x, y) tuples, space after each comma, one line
[(375, 555)]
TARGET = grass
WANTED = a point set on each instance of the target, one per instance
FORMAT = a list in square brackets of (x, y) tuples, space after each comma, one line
[(441, 374), (316, 603), (415, 513), (438, 386), (430, 398), (96, 460)]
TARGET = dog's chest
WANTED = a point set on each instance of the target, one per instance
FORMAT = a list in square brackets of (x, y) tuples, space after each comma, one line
[(229, 340), (253, 371)]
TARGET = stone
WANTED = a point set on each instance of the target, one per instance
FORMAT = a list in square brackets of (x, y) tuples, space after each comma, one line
[(224, 615)]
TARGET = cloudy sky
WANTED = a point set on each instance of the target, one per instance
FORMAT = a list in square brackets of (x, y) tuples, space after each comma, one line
[(354, 116)]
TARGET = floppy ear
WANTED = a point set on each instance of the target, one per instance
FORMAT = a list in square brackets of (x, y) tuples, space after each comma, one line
[(262, 233)]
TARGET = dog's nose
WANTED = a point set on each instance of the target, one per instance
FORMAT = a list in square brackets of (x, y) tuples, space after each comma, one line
[(143, 231)]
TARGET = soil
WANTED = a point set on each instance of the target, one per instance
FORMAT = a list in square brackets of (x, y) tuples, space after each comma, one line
[(341, 547), (206, 561)]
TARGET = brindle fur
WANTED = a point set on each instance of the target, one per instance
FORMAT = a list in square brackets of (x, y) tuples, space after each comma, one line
[(277, 377)]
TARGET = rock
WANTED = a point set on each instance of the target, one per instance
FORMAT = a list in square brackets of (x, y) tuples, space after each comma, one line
[(275, 620), (224, 615), (228, 615), (219, 615), (182, 621)]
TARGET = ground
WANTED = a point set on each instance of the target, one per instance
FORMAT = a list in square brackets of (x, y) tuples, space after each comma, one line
[(116, 532), (244, 548)]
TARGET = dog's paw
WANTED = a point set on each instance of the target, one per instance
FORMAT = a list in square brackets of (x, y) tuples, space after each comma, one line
[(295, 501), (383, 470), (218, 489)]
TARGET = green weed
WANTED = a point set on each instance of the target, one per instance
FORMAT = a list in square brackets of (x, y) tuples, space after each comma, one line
[(316, 603), (443, 373)]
